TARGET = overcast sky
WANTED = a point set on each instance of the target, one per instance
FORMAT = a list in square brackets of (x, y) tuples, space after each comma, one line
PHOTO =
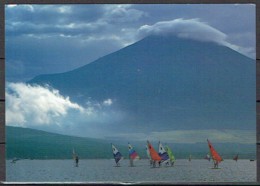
[(44, 39)]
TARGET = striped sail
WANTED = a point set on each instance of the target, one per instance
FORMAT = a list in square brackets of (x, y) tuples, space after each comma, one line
[(116, 153), (132, 153)]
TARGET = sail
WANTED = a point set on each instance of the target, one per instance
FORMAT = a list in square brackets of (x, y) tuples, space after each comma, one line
[(171, 156), (215, 156), (73, 154), (132, 153), (116, 153), (148, 152), (154, 155), (162, 152)]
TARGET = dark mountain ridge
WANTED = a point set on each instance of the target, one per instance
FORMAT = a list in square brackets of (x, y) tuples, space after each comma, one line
[(168, 81)]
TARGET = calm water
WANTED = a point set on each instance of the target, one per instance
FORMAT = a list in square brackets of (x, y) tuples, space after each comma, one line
[(105, 171)]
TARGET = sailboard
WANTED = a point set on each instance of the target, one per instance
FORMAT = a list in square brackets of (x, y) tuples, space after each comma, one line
[(154, 155), (132, 154), (236, 157), (214, 154), (163, 154), (117, 155), (171, 156)]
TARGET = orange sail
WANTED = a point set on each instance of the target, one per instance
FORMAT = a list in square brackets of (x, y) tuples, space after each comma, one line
[(154, 155), (214, 154)]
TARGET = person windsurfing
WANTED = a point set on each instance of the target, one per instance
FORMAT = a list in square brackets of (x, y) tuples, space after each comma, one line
[(236, 157), (215, 156), (77, 160)]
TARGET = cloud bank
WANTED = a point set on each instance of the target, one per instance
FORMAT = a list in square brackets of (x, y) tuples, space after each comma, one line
[(194, 136), (45, 108)]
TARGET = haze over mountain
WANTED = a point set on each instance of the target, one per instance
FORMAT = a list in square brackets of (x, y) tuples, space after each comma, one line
[(35, 144), (166, 82)]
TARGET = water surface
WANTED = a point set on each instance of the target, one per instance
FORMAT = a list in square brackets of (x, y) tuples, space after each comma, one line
[(103, 170)]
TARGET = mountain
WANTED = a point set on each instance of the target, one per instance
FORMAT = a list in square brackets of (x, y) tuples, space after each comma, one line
[(25, 143), (37, 144), (164, 82)]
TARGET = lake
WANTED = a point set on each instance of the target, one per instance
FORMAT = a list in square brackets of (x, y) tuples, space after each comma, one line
[(104, 170)]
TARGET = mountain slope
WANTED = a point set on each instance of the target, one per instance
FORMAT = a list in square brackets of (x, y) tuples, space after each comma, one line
[(36, 144), (168, 81)]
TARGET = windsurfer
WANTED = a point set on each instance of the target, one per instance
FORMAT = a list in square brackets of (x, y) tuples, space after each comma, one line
[(77, 161), (215, 164)]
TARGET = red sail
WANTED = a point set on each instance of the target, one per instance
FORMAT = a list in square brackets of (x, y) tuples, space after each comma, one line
[(214, 154), (154, 155)]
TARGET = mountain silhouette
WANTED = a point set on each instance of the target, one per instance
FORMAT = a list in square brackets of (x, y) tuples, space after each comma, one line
[(166, 82)]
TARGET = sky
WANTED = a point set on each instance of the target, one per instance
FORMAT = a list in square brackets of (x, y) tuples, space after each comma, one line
[(45, 39)]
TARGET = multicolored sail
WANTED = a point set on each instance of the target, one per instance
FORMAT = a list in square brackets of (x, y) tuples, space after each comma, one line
[(171, 156), (132, 153), (154, 155), (215, 156), (162, 153), (117, 155)]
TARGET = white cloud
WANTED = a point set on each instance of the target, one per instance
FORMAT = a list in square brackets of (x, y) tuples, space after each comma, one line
[(122, 13), (27, 105), (46, 109), (191, 29), (108, 102)]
